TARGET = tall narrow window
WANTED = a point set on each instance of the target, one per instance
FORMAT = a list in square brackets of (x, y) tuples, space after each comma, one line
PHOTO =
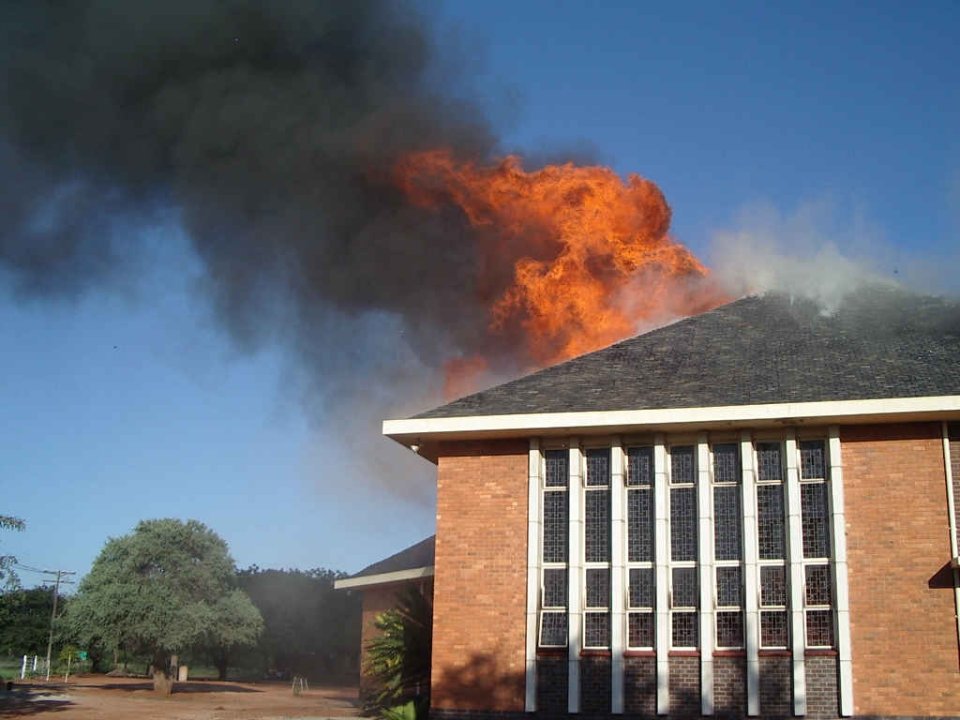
[(728, 552), (640, 542), (596, 549), (684, 588), (556, 530), (815, 529), (772, 545)]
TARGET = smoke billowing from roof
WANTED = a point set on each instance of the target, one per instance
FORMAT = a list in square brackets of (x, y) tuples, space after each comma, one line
[(816, 253)]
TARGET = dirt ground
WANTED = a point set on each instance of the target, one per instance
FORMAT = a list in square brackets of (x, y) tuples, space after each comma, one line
[(98, 697)]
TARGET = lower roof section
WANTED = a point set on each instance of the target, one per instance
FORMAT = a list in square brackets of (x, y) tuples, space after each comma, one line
[(366, 581), (423, 434), (411, 563)]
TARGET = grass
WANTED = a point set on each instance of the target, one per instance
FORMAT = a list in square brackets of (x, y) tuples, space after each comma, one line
[(10, 667)]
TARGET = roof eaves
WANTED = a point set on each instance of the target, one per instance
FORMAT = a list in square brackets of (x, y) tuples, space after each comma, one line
[(367, 581), (417, 433)]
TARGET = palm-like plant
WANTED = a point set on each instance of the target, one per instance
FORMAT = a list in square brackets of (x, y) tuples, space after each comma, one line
[(398, 660)]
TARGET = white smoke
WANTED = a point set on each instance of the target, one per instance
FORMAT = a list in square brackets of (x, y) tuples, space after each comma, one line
[(819, 253)]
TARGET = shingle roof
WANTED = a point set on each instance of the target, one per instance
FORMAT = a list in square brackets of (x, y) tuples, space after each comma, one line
[(412, 558), (880, 343)]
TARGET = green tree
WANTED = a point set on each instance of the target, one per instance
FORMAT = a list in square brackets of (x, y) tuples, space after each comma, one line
[(236, 623), (168, 587), (25, 620), (7, 576), (398, 659)]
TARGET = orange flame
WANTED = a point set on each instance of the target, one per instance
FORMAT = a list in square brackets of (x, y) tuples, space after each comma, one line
[(571, 259)]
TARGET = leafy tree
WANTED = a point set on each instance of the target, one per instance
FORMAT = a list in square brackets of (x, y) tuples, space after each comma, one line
[(398, 659), (310, 629), (236, 623), (25, 620), (7, 575), (167, 587)]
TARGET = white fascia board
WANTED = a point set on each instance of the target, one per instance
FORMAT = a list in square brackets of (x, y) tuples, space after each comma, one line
[(415, 430), (383, 578)]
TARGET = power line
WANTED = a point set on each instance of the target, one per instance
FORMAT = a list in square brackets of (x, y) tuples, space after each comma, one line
[(39, 571), (29, 568)]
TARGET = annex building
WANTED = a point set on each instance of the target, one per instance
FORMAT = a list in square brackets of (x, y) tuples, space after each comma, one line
[(750, 512)]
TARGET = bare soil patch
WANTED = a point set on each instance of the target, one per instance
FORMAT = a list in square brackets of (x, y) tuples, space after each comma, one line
[(98, 697)]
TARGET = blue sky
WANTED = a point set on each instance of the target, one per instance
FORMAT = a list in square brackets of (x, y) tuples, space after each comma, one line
[(800, 126)]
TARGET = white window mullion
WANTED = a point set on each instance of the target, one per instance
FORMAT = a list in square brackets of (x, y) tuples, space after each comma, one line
[(750, 575), (533, 573), (842, 603), (705, 552), (618, 542), (660, 554), (795, 564), (575, 579)]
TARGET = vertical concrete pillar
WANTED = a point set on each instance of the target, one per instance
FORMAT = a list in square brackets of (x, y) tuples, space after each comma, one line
[(534, 534)]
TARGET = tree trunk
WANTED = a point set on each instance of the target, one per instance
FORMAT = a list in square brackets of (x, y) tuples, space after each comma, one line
[(162, 683), (221, 661)]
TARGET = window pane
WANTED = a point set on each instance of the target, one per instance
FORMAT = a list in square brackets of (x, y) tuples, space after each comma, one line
[(817, 584), (685, 587), (598, 467), (555, 587), (598, 587), (553, 629), (773, 586), (770, 522), (812, 459), (726, 463), (640, 525), (730, 629), (640, 630), (685, 629), (728, 586), (683, 524), (726, 522), (681, 464), (596, 630), (640, 466), (555, 527), (773, 628), (813, 511), (641, 587), (769, 464), (819, 628), (597, 526), (557, 474)]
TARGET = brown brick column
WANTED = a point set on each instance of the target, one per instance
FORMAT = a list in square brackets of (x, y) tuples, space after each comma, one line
[(480, 579), (904, 637)]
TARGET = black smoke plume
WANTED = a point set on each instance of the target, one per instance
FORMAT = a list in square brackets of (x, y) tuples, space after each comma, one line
[(269, 128)]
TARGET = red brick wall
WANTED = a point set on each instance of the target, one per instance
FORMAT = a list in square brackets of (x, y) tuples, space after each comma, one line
[(904, 634), (479, 622)]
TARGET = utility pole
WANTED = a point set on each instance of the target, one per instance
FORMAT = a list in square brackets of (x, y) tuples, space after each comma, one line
[(53, 615)]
